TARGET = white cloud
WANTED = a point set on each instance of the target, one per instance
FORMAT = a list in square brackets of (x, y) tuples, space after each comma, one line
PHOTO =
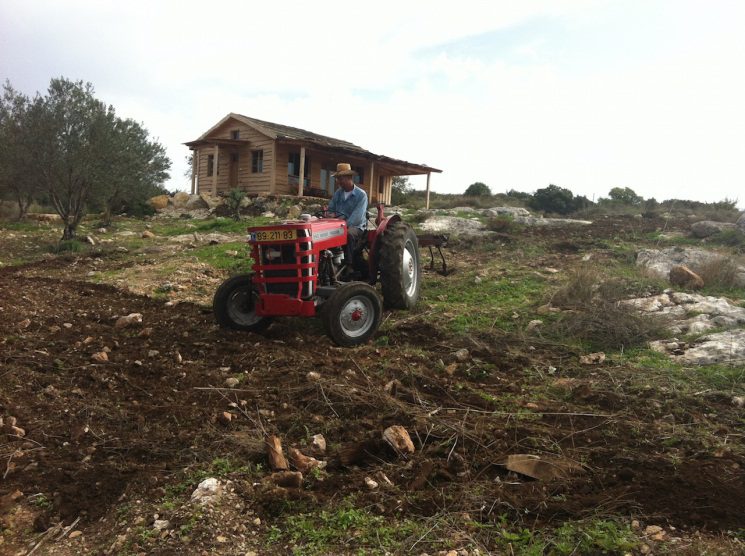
[(588, 95)]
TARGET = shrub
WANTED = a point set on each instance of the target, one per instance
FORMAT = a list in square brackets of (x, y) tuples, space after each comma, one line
[(625, 196), (67, 246), (557, 199), (477, 189), (720, 274), (233, 202), (503, 224)]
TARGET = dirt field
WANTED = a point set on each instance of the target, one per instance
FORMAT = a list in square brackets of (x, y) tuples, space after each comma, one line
[(121, 444)]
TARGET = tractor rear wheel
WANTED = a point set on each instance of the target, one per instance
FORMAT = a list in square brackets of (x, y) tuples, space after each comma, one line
[(352, 314), (234, 305), (400, 267)]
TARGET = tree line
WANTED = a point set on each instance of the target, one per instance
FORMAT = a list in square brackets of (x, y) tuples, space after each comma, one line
[(69, 150)]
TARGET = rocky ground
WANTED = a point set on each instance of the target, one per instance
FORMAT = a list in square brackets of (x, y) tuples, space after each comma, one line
[(147, 435)]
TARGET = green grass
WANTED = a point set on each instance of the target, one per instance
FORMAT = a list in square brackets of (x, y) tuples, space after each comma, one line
[(213, 225), (653, 365), (346, 529), (217, 256), (467, 305)]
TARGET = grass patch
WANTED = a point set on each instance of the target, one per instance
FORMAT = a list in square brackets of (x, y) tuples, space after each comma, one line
[(345, 530), (222, 256), (686, 378), (67, 246), (467, 305), (213, 225)]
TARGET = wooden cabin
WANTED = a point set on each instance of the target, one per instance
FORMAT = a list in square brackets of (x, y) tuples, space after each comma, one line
[(262, 158)]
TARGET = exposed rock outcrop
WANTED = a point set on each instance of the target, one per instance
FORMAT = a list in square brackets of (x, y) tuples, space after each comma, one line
[(707, 228)]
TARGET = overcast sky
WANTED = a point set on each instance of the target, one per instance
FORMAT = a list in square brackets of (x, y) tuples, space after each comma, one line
[(588, 95)]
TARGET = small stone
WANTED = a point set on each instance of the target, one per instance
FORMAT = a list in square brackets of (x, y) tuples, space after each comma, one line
[(370, 483), (318, 442), (231, 253), (287, 479), (652, 530), (635, 524), (313, 376), (129, 320), (397, 437), (89, 240), (257, 521), (477, 280), (67, 325), (738, 401), (145, 333), (232, 382), (592, 358), (645, 549), (462, 355), (100, 357), (74, 534), (225, 417), (147, 234), (221, 539), (121, 249), (177, 358), (532, 325), (153, 353), (207, 491), (25, 323), (161, 524)]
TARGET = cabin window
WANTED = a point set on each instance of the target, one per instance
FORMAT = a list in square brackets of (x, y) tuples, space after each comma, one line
[(210, 165), (328, 182), (358, 178), (235, 134), (293, 165), (257, 161)]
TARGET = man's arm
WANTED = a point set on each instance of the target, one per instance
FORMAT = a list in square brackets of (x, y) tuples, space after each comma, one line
[(332, 205)]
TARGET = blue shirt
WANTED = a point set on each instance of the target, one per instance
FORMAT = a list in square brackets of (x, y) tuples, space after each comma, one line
[(352, 209)]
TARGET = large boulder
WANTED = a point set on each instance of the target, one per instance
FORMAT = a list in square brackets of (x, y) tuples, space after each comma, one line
[(180, 199), (454, 225), (506, 211), (211, 202), (741, 222), (659, 262), (159, 202), (724, 348), (681, 275), (196, 202), (706, 228), (552, 222)]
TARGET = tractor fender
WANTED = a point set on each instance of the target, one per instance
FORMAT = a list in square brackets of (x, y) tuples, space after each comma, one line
[(372, 241)]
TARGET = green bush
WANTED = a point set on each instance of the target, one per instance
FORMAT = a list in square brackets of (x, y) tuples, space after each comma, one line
[(558, 200), (477, 189)]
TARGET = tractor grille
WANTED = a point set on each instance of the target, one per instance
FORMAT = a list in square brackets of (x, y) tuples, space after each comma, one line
[(279, 254)]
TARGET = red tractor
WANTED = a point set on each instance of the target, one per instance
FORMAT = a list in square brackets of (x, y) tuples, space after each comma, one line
[(300, 269)]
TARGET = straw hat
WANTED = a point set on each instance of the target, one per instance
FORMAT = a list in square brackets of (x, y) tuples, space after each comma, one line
[(344, 169)]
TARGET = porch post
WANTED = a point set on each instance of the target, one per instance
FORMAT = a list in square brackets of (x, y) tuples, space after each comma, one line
[(302, 172), (428, 175), (372, 181), (216, 169), (273, 171), (193, 171)]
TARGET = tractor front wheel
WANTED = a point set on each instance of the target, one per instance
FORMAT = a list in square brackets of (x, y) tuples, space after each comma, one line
[(352, 314), (400, 267), (234, 305)]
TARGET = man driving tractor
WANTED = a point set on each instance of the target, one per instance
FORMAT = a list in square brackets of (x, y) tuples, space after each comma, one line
[(349, 203)]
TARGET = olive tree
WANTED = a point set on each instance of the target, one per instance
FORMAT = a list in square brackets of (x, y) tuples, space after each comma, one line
[(87, 157), (17, 181)]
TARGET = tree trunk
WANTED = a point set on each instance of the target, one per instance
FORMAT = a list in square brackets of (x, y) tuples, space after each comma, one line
[(106, 216), (69, 232)]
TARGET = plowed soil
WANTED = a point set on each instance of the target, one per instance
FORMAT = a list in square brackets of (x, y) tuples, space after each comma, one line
[(98, 434)]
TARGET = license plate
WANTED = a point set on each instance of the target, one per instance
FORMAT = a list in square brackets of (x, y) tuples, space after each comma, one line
[(273, 235)]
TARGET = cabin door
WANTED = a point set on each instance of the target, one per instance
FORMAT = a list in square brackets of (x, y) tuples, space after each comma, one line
[(233, 173)]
